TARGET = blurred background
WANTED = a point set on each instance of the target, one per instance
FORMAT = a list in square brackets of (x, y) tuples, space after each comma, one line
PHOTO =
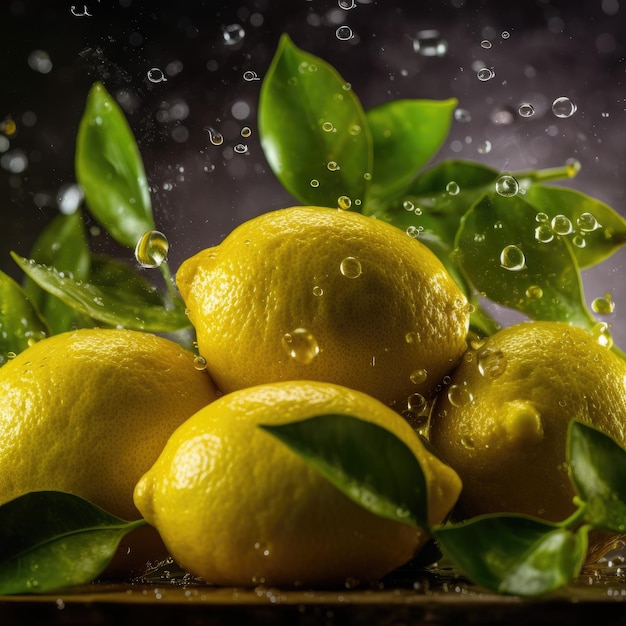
[(179, 67)]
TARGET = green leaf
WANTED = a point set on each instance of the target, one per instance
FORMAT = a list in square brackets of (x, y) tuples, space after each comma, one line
[(597, 229), (500, 254), (406, 134), (53, 540), (598, 470), (108, 304), (62, 245), (110, 170), (366, 462), (515, 554), (20, 321), (313, 129)]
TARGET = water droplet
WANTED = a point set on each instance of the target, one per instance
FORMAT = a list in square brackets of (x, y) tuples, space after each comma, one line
[(350, 267), (561, 225), (462, 115), (563, 107), (430, 43), (156, 75), (491, 363), (328, 127), (233, 34), (241, 148), (333, 166), (39, 61), (505, 34), (414, 231), (467, 443), (587, 222), (602, 334), (250, 75), (418, 376), (485, 73), (526, 109), (459, 395), (199, 363), (216, 138), (407, 205), (152, 248), (69, 198), (486, 44), (453, 188), (346, 5), (507, 186), (579, 241), (512, 259), (344, 202), (534, 292), (246, 132), (344, 33), (300, 345), (318, 291), (572, 167), (544, 233), (484, 147), (314, 182), (603, 305), (416, 402)]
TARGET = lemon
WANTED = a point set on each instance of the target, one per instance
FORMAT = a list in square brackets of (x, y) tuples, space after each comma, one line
[(235, 506), (89, 411), (502, 423), (328, 295)]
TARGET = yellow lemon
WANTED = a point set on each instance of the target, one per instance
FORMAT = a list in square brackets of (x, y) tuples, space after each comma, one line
[(502, 423), (236, 506), (328, 295), (89, 411)]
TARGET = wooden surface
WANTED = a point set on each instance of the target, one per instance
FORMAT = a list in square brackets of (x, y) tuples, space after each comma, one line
[(398, 602)]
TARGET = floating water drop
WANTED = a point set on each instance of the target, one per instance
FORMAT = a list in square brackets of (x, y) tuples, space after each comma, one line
[(246, 132), (250, 76), (486, 44), (603, 305), (512, 259), (430, 43), (350, 267), (484, 74), (459, 395), (318, 291), (69, 198), (453, 188), (241, 148), (526, 109), (419, 376), (333, 166), (587, 222), (505, 34), (156, 75), (484, 147), (216, 138), (300, 345), (344, 203), (563, 107), (462, 115), (199, 363), (541, 217), (346, 5), (151, 249), (344, 33), (39, 61), (534, 292), (233, 34), (507, 186), (602, 334), (491, 363), (467, 443), (544, 233), (407, 205), (561, 225), (314, 182), (416, 402), (413, 231), (328, 127)]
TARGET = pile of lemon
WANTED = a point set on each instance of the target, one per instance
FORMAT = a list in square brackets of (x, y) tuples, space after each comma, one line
[(302, 312)]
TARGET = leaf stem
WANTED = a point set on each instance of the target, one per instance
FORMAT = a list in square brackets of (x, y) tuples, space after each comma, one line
[(577, 516), (569, 170), (169, 282)]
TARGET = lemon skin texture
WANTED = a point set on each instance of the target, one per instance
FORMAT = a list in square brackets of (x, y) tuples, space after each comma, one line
[(236, 506), (328, 295), (89, 411), (502, 423)]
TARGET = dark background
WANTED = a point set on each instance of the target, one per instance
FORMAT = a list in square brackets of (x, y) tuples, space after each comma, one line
[(540, 50)]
